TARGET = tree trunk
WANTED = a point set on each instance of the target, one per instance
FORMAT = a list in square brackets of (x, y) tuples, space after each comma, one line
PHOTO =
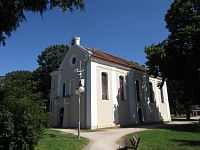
[(187, 106)]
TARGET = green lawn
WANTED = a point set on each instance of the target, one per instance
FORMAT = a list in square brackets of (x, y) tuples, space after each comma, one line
[(183, 116), (56, 140), (170, 137)]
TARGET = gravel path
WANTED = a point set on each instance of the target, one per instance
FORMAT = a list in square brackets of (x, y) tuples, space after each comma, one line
[(106, 139)]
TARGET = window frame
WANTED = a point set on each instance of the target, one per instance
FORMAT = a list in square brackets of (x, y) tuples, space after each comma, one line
[(104, 96), (122, 87), (137, 90), (151, 92), (64, 89)]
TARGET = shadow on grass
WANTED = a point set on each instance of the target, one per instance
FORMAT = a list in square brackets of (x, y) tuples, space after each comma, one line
[(191, 143), (183, 119), (191, 127), (182, 127), (60, 135), (51, 135)]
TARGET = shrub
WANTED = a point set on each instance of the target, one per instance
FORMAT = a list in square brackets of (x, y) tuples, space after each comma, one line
[(23, 123), (6, 128), (22, 113)]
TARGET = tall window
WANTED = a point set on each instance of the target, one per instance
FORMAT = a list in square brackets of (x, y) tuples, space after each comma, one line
[(161, 95), (104, 78), (121, 87), (63, 90), (137, 90), (151, 92)]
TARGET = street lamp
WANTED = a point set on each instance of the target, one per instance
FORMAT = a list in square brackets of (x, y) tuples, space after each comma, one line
[(78, 92)]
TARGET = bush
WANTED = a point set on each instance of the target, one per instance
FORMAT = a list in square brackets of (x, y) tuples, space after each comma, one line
[(6, 128), (22, 114), (23, 122)]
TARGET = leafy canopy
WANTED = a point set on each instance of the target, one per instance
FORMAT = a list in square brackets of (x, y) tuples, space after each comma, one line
[(12, 12), (178, 57), (155, 56), (22, 114), (181, 50), (48, 61), (183, 44)]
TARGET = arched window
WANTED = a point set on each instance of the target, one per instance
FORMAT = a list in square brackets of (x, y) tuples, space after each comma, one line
[(63, 90), (71, 87), (104, 80), (151, 92), (121, 87), (137, 86)]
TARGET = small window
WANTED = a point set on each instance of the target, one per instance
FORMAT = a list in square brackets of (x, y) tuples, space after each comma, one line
[(63, 90), (151, 92), (73, 60), (161, 95), (104, 79), (137, 90), (121, 87)]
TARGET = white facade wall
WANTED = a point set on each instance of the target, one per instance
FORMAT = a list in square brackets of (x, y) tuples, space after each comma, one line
[(94, 88), (162, 107)]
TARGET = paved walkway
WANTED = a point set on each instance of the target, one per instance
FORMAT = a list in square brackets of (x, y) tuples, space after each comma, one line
[(106, 139)]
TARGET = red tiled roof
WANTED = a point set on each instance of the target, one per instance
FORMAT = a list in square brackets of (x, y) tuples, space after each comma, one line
[(114, 59)]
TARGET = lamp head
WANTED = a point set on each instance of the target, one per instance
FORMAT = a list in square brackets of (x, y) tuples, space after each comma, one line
[(81, 89)]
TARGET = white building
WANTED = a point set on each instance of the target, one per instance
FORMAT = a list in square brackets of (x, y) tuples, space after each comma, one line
[(118, 92)]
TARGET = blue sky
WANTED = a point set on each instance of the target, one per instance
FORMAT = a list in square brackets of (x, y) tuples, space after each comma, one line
[(120, 27)]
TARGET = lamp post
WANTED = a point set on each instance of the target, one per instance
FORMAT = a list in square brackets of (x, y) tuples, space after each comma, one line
[(78, 92)]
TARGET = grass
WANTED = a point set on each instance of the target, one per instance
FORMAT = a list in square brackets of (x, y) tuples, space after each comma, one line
[(176, 137), (56, 140), (183, 116)]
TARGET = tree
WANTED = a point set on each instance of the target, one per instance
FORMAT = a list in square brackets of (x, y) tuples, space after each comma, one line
[(1, 87), (18, 84), (12, 12), (6, 128), (49, 60), (181, 63), (155, 55), (183, 44), (22, 114)]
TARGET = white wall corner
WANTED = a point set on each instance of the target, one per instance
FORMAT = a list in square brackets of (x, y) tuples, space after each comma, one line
[(167, 101), (93, 85)]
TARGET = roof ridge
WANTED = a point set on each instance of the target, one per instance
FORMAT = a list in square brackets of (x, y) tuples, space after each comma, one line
[(127, 62)]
